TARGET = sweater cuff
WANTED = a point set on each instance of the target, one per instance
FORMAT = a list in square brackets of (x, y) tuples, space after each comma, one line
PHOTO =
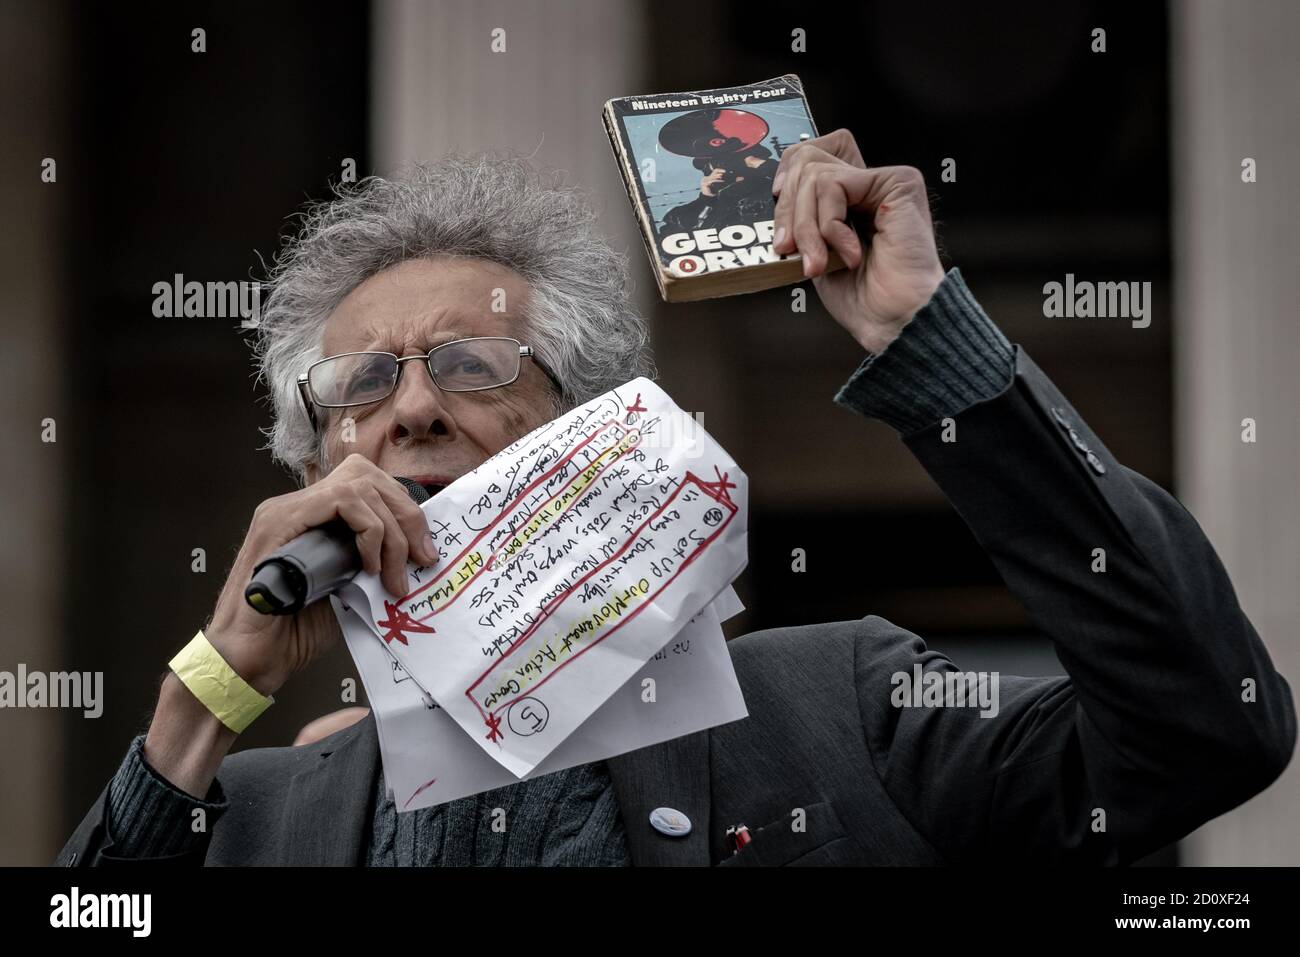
[(948, 358), (148, 816)]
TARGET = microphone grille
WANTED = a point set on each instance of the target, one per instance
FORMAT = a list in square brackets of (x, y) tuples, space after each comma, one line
[(414, 489)]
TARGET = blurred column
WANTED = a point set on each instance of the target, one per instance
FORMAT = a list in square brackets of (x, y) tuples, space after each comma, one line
[(33, 67), (1237, 344), (439, 86)]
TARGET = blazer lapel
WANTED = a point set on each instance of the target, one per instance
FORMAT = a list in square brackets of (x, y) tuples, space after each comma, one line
[(326, 815), (674, 774)]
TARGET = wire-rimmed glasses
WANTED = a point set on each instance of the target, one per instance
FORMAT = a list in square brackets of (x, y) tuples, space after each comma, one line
[(463, 365)]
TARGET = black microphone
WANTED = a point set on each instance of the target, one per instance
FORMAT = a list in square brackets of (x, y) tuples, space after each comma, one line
[(312, 565)]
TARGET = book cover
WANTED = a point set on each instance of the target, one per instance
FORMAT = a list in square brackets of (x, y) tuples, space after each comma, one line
[(698, 168)]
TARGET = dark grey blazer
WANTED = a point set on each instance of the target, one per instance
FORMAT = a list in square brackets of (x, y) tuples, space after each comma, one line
[(1148, 738)]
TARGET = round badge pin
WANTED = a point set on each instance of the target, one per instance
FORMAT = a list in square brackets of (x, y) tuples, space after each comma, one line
[(670, 822)]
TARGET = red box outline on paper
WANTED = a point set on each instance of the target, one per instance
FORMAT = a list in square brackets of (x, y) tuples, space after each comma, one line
[(715, 490)]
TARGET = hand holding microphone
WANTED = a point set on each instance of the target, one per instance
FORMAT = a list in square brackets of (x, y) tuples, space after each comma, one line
[(311, 566), (358, 499)]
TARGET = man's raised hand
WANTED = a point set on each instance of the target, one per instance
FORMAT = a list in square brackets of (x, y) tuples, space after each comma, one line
[(818, 185)]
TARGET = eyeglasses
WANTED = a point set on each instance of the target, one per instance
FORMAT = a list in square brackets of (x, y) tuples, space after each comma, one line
[(465, 365)]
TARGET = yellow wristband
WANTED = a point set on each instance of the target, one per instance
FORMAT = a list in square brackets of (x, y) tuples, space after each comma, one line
[(233, 700)]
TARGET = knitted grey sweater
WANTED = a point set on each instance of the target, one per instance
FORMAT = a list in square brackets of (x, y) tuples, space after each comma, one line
[(570, 817)]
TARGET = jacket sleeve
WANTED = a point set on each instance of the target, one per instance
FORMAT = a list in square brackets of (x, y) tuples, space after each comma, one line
[(141, 818), (1172, 712)]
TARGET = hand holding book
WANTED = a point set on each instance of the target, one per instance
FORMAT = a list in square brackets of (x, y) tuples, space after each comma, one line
[(822, 185), (723, 233)]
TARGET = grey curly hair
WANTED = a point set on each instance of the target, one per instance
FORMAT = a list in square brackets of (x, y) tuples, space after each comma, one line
[(579, 318)]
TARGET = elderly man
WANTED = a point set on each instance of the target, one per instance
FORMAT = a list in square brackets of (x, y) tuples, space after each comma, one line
[(511, 310)]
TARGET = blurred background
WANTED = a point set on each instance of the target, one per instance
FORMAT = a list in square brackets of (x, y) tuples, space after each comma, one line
[(1120, 166)]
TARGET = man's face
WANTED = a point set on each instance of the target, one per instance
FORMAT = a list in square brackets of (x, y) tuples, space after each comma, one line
[(420, 431)]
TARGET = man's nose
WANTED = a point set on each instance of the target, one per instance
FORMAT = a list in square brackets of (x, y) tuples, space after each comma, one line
[(418, 409)]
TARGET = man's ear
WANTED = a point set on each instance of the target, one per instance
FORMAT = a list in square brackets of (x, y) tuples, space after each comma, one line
[(311, 473)]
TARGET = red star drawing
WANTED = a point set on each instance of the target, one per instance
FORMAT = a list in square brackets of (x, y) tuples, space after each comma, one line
[(636, 405), (494, 728), (719, 488), (399, 624)]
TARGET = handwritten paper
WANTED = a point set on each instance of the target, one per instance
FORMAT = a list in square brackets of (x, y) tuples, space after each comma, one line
[(567, 561), (428, 759)]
